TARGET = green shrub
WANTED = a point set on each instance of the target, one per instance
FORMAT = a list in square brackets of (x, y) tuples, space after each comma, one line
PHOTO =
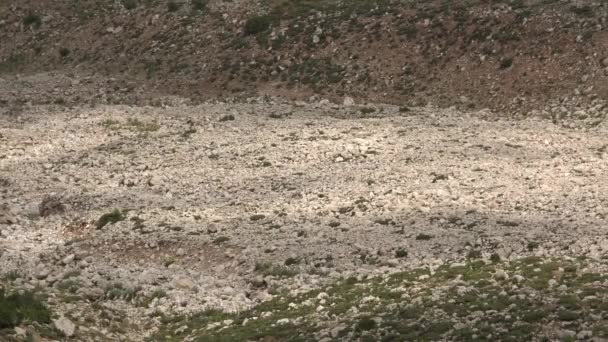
[(474, 254), (18, 307), (129, 4), (291, 261), (109, 218), (424, 237), (32, 20), (506, 63), (119, 291), (256, 25), (173, 6), (64, 52), (199, 5), (401, 253), (583, 11), (367, 110), (366, 323)]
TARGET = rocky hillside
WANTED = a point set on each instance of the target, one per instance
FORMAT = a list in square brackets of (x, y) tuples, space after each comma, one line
[(273, 220), (516, 55), (303, 170)]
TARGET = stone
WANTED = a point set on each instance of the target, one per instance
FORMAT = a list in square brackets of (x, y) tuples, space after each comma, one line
[(584, 334), (181, 329), (43, 274), (184, 283), (392, 262), (91, 293), (349, 101), (258, 282), (565, 333), (68, 259), (6, 216), (604, 62), (66, 326), (20, 332), (501, 275), (211, 228), (335, 332), (283, 321)]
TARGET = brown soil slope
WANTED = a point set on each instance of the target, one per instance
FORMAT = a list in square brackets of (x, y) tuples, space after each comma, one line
[(513, 55)]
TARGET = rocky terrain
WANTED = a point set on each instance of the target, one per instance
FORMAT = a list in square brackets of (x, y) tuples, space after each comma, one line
[(127, 218), (303, 170), (507, 55)]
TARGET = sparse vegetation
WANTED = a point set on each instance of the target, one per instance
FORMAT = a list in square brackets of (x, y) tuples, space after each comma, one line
[(220, 240), (269, 269), (291, 261), (474, 254), (367, 110), (583, 11), (64, 52), (231, 176), (532, 245), (173, 6), (110, 218), (506, 62), (129, 4), (32, 19), (21, 306), (12, 63), (519, 312), (141, 126), (199, 5), (11, 275), (257, 25), (401, 253), (146, 300), (132, 124), (119, 291), (366, 323), (424, 237), (68, 285)]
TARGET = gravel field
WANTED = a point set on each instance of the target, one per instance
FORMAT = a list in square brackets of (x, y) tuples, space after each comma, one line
[(174, 210)]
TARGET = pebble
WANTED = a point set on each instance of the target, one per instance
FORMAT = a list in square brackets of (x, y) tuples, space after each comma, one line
[(66, 326)]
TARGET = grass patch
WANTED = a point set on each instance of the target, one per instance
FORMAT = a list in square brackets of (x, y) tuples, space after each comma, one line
[(129, 4), (424, 237), (173, 6), (506, 63), (33, 20), (199, 5), (109, 218), (134, 125), (11, 275), (220, 240), (415, 305), (119, 291), (269, 269), (256, 25), (22, 306)]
